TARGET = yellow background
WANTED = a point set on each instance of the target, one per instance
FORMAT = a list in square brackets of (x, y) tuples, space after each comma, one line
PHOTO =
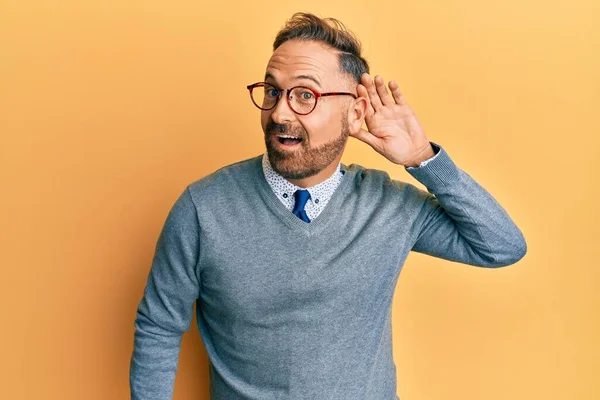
[(109, 108)]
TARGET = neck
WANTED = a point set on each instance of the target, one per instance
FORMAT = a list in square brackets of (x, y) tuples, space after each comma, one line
[(317, 178)]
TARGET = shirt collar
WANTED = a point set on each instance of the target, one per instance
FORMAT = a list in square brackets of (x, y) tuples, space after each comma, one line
[(322, 191)]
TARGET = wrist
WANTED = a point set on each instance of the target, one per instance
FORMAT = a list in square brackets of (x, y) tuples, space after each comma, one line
[(425, 154)]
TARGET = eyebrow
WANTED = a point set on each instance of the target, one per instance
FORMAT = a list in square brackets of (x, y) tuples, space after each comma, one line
[(295, 78)]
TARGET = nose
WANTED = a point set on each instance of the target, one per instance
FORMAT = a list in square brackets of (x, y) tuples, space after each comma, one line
[(282, 112)]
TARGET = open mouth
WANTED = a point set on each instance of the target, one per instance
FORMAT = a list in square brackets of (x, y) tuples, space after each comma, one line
[(289, 140)]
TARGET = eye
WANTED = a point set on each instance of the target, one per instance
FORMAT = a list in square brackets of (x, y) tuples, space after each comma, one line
[(271, 92), (303, 95)]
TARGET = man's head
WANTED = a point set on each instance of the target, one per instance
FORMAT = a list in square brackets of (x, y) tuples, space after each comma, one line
[(322, 55)]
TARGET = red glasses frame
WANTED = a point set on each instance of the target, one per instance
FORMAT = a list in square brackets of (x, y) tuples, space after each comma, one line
[(287, 96)]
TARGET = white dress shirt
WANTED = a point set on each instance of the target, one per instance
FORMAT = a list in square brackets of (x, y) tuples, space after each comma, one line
[(319, 194)]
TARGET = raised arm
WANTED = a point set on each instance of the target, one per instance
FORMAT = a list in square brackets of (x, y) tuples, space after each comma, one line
[(165, 310), (459, 220)]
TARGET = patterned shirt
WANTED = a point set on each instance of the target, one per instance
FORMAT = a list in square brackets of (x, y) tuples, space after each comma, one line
[(284, 189)]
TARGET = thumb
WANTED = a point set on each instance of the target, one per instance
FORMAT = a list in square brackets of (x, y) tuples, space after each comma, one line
[(367, 137)]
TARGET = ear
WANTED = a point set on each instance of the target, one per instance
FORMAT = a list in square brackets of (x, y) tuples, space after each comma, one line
[(356, 114)]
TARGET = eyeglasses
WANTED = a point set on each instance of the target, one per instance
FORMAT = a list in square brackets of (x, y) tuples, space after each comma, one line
[(302, 100)]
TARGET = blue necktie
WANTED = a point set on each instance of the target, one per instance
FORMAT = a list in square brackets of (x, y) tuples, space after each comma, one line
[(301, 197)]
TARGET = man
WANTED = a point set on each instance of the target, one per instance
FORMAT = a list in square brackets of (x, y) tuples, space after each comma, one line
[(293, 257)]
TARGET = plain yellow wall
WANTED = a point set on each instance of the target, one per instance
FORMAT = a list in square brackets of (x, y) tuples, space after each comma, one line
[(108, 108)]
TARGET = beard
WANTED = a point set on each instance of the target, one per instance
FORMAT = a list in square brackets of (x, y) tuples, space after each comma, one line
[(308, 160)]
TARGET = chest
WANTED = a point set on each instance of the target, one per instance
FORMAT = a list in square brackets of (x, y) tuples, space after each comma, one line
[(250, 275)]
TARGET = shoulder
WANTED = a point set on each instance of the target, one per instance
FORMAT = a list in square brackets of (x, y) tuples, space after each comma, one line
[(375, 181), (373, 178), (231, 177)]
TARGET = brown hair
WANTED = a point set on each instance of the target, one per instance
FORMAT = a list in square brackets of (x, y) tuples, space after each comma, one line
[(306, 26)]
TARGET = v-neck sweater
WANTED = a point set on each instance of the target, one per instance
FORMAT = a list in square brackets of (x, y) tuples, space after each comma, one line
[(284, 189), (294, 310)]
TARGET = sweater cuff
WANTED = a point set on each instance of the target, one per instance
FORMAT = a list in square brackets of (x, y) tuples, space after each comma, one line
[(438, 172)]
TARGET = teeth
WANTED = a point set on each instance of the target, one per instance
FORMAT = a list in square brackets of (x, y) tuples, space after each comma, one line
[(289, 137)]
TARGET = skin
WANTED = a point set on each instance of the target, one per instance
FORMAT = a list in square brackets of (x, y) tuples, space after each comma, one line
[(392, 128)]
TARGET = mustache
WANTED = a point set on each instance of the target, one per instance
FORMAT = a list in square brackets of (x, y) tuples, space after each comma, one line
[(274, 128)]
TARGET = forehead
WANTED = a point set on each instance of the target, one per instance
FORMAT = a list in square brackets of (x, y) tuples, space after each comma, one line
[(298, 60)]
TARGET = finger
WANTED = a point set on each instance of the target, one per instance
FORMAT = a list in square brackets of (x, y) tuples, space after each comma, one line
[(398, 96), (367, 137), (373, 96), (385, 97), (362, 92)]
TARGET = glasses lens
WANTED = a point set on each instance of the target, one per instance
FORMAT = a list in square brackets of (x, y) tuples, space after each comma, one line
[(303, 100), (265, 96)]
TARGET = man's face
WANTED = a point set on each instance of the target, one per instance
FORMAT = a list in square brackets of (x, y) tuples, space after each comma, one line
[(323, 132)]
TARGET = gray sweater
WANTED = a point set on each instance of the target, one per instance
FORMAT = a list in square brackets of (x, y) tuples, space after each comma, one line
[(294, 310)]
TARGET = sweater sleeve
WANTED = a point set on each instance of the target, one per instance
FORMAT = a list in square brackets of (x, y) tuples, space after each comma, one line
[(165, 310), (459, 220)]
